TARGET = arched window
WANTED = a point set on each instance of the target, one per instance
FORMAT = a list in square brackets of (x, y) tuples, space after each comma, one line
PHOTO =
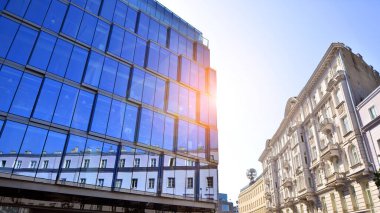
[(354, 155)]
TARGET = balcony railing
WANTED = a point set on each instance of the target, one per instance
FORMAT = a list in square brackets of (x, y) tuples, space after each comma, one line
[(286, 164), (287, 182), (289, 201), (337, 179), (326, 125), (330, 152)]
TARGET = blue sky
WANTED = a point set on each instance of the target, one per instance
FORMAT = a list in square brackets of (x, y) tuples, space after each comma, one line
[(264, 52)]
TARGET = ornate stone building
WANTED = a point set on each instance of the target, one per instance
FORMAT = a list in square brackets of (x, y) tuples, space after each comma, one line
[(251, 197), (317, 161)]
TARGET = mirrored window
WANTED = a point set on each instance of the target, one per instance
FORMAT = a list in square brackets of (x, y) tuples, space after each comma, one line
[(55, 15), (9, 81)]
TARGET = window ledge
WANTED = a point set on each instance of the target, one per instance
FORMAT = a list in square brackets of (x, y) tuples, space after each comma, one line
[(347, 133), (356, 165), (339, 104)]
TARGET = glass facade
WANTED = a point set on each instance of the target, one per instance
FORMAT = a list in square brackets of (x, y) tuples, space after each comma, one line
[(112, 95)]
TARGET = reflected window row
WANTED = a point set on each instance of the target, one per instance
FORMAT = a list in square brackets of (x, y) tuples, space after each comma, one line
[(40, 154)]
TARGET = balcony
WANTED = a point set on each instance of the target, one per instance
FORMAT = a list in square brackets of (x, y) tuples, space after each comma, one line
[(338, 179), (268, 195), (286, 164), (289, 201), (326, 126), (330, 152), (287, 182)]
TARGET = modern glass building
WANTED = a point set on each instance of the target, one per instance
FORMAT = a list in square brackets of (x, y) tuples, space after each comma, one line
[(105, 105)]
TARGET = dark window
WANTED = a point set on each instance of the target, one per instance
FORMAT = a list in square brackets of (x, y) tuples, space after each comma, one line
[(54, 17), (18, 7), (22, 45), (65, 105), (47, 100), (139, 57), (94, 69), (101, 113), (26, 95), (122, 78), (87, 29), (101, 35), (129, 45), (129, 126), (9, 80), (107, 79), (143, 25), (37, 11), (137, 84), (153, 56), (72, 21), (116, 40), (210, 182), (8, 31), (43, 49), (83, 110), (116, 119), (60, 58), (145, 127), (77, 64)]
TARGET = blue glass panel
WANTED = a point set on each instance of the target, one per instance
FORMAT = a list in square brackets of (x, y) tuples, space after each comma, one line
[(162, 33), (129, 46), (201, 79), (140, 50), (8, 31), (158, 130), (143, 25), (73, 158), (32, 146), (115, 123), (122, 78), (47, 100), (93, 6), (137, 84), (22, 45), (83, 109), (94, 69), (10, 143), (101, 35), (185, 70), (120, 13), (212, 82), (199, 53), (212, 111), (65, 105), (173, 41), (169, 134), (1, 124), (164, 62), (181, 45), (76, 64), (159, 96), (37, 11), (173, 66), (80, 3), (129, 127), (182, 136), (193, 81), (213, 144), (18, 7), (55, 15), (52, 153), (26, 95), (9, 80), (87, 29), (153, 56), (72, 21), (149, 89), (130, 23), (116, 40), (203, 104), (108, 9), (153, 30), (2, 4), (60, 58), (189, 48), (201, 142), (43, 49), (145, 127), (183, 99), (107, 80), (192, 104), (206, 57), (101, 113), (173, 98), (192, 142)]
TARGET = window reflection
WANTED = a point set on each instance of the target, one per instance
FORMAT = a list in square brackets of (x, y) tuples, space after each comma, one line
[(124, 174)]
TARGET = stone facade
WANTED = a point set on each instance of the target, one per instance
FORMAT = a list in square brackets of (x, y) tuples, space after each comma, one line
[(316, 161), (252, 197)]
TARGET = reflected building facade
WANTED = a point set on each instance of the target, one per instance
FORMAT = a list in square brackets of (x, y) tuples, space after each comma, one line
[(113, 99)]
